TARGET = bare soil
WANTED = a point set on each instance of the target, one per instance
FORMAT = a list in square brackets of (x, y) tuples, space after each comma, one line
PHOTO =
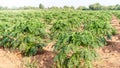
[(9, 60), (15, 60)]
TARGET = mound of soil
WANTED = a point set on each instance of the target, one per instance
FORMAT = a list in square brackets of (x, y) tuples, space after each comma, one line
[(9, 60)]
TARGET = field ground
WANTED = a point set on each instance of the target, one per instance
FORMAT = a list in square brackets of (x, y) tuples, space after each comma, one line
[(109, 55)]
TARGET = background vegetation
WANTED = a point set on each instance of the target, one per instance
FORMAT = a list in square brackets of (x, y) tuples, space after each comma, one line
[(95, 6)]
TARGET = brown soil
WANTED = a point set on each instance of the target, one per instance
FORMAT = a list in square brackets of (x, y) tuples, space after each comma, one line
[(110, 54), (44, 59), (15, 60), (9, 60)]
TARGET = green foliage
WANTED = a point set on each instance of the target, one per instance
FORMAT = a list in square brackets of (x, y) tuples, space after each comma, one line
[(77, 49), (116, 13), (77, 33), (79, 59), (73, 46), (82, 8), (95, 6), (26, 36), (99, 27)]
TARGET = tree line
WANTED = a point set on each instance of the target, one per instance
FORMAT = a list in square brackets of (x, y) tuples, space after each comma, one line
[(95, 6)]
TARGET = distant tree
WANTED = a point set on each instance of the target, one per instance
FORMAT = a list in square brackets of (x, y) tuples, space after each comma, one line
[(3, 8), (41, 6), (72, 7), (111, 7), (82, 8), (117, 7), (28, 7), (54, 7), (104, 8), (95, 6), (68, 7)]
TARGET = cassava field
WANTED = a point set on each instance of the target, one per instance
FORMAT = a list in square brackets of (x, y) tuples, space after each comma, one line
[(59, 39)]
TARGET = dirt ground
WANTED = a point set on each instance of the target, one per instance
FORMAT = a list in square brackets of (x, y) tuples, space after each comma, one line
[(9, 60), (109, 55), (15, 60)]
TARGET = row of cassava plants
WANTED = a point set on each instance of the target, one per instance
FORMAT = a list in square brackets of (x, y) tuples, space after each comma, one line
[(77, 34)]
